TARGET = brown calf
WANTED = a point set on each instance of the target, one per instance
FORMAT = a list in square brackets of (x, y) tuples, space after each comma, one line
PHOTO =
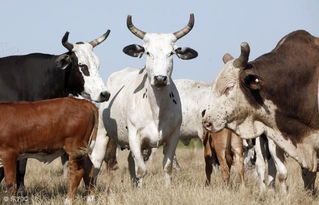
[(48, 127), (223, 148)]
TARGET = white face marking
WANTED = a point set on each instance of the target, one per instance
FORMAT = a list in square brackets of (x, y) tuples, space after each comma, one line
[(224, 98), (93, 84), (159, 50)]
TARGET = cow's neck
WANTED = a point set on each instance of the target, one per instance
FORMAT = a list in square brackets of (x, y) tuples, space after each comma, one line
[(158, 99)]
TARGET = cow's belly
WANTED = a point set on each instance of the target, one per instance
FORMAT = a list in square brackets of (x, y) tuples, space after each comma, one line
[(43, 157), (191, 127)]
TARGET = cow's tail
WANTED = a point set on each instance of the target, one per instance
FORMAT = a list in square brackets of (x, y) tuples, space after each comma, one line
[(93, 135), (87, 150)]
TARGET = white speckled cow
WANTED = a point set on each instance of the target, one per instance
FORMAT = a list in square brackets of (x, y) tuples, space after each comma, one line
[(145, 109)]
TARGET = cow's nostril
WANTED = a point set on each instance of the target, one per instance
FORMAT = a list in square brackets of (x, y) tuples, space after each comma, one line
[(164, 78), (208, 126), (203, 113), (105, 95)]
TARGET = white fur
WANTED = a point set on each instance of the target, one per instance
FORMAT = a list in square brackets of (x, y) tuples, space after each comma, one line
[(93, 84), (159, 61), (194, 99)]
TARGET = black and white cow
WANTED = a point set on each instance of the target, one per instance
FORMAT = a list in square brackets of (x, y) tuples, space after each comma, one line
[(40, 76)]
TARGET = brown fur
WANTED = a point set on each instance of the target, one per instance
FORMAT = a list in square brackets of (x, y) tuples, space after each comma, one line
[(226, 149), (48, 126), (289, 78)]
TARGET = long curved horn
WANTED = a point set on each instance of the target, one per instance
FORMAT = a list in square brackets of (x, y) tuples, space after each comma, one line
[(179, 34), (100, 39), (65, 42), (242, 60), (137, 32)]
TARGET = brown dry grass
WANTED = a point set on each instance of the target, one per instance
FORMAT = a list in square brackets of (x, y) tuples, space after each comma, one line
[(45, 185)]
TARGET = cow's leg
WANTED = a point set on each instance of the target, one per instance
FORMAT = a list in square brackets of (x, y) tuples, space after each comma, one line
[(110, 155), (1, 171), (136, 153), (10, 168), (260, 163), (21, 169), (76, 173), (309, 179), (98, 148), (272, 172), (131, 167), (208, 158), (237, 149), (169, 153), (278, 157), (176, 165), (221, 145), (224, 168), (88, 181), (150, 161), (65, 164)]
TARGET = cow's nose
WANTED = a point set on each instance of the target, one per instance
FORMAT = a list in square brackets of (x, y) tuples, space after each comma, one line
[(160, 80), (104, 96)]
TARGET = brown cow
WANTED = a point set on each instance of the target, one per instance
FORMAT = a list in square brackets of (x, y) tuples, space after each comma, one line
[(51, 127), (277, 95), (223, 148)]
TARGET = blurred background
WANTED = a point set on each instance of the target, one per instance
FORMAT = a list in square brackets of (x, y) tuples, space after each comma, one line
[(220, 26)]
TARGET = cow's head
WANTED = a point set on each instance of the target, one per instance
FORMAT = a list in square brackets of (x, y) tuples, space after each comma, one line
[(229, 106), (159, 49), (82, 66)]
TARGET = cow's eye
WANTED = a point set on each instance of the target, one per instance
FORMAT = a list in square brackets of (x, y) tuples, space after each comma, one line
[(171, 53), (228, 89), (84, 69), (148, 53)]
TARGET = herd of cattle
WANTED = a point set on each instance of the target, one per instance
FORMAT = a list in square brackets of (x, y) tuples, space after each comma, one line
[(273, 98)]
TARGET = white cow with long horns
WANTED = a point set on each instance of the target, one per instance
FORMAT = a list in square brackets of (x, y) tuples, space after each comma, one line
[(145, 109)]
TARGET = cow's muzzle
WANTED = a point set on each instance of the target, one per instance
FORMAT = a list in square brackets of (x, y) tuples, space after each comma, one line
[(104, 96), (160, 80)]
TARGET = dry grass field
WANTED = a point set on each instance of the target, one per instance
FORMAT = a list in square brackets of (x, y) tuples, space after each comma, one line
[(45, 185)]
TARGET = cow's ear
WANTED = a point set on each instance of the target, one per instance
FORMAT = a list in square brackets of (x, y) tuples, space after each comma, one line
[(227, 57), (63, 61), (186, 53), (253, 81), (134, 50)]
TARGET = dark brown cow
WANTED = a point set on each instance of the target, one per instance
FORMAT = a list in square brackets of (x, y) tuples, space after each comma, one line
[(276, 94), (225, 149), (48, 127)]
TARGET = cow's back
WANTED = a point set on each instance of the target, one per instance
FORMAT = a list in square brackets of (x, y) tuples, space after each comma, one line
[(194, 98), (29, 77)]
